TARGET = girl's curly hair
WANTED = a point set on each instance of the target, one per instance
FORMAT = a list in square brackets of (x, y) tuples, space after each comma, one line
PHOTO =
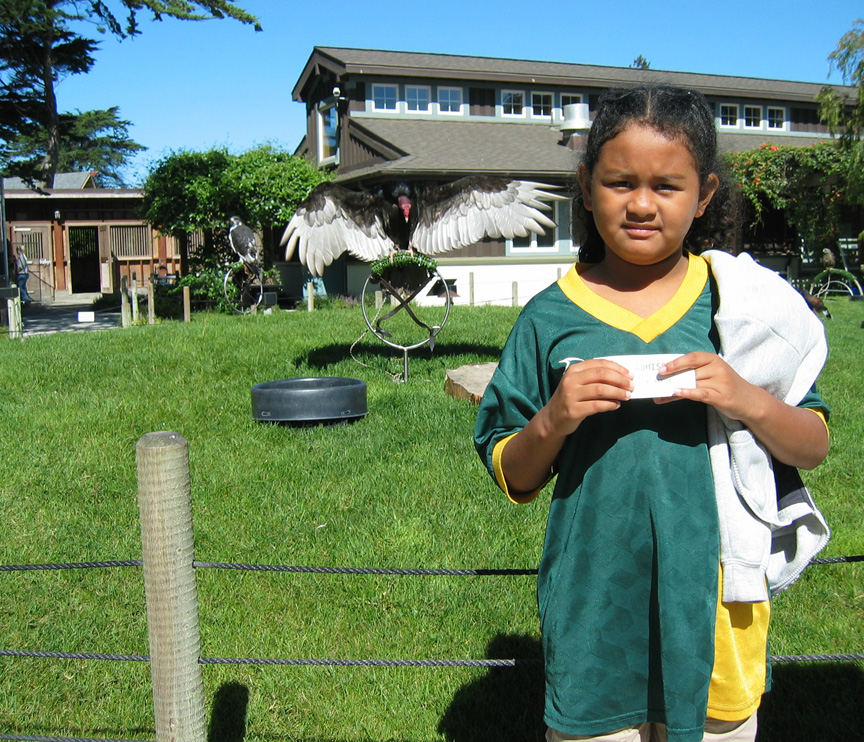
[(683, 115)]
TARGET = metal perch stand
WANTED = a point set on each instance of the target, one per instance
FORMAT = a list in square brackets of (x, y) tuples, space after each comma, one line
[(404, 303)]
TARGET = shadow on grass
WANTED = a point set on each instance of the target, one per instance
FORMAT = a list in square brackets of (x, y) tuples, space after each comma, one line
[(505, 705), (813, 703), (808, 702), (228, 720), (330, 355)]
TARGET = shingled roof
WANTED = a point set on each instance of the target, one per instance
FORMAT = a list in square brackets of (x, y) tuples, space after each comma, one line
[(446, 149), (435, 149), (62, 181), (341, 61)]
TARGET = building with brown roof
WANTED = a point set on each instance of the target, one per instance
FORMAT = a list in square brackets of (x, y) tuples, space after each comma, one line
[(80, 238), (377, 115)]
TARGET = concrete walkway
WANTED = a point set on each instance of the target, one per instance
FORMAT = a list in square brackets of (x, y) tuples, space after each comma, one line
[(62, 315)]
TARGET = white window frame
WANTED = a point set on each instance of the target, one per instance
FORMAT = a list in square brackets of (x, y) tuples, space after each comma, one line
[(415, 111), (782, 112), (547, 116), (737, 108), (521, 94), (533, 248), (563, 218), (322, 109), (460, 108), (759, 116), (388, 86)]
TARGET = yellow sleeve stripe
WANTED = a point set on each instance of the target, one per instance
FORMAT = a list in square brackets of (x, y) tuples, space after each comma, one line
[(520, 498), (821, 413)]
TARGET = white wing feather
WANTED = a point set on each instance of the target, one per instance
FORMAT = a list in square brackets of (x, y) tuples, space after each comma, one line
[(323, 234), (511, 212)]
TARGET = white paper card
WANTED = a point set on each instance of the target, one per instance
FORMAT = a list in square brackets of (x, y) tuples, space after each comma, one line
[(646, 383)]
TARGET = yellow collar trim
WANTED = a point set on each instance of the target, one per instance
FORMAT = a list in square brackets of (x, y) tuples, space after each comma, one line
[(645, 328)]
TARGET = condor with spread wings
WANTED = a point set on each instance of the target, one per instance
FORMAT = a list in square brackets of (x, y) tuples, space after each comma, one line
[(407, 216)]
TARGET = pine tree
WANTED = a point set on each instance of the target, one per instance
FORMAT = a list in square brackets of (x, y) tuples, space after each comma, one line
[(38, 48)]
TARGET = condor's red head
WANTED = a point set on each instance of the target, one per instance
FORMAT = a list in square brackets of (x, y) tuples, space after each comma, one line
[(405, 204)]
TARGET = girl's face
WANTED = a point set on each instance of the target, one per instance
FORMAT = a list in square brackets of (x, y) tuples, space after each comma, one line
[(644, 194)]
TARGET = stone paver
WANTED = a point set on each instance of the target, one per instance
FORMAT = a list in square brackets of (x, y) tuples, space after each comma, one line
[(469, 382)]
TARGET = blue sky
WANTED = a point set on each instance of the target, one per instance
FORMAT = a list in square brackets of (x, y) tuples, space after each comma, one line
[(187, 85)]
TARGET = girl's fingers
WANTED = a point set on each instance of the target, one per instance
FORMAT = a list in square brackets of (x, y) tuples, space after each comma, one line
[(607, 391), (601, 371), (687, 362)]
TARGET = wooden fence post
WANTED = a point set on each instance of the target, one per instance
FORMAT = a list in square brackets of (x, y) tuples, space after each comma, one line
[(134, 299), (151, 304), (187, 304), (515, 293), (167, 544), (471, 288), (16, 323), (125, 311)]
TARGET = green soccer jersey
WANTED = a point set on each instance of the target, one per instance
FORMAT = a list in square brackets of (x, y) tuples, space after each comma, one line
[(627, 584)]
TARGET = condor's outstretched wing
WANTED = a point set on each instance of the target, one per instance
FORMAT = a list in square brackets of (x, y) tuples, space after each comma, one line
[(462, 213), (333, 220)]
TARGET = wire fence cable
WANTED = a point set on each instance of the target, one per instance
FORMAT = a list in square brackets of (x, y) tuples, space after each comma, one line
[(327, 570), (311, 662)]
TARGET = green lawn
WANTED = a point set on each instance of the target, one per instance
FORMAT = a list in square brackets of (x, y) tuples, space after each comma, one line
[(401, 488)]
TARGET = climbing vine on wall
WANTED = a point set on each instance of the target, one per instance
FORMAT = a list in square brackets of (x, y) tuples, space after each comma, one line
[(806, 183)]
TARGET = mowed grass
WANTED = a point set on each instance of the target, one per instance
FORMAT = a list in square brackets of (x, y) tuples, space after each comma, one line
[(402, 487)]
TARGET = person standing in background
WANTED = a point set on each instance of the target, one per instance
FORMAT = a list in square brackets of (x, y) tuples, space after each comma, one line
[(23, 269)]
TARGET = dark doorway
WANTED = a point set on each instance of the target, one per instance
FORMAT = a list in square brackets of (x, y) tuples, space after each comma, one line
[(84, 259)]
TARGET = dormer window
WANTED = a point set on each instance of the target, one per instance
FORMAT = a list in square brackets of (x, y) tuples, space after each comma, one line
[(417, 98), (777, 119), (728, 114), (449, 100), (384, 97), (512, 102), (753, 117), (541, 105)]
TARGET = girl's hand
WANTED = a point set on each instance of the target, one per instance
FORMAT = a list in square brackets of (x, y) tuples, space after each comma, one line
[(793, 435), (585, 389), (717, 384)]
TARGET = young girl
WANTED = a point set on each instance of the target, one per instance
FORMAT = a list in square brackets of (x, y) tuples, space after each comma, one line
[(652, 584)]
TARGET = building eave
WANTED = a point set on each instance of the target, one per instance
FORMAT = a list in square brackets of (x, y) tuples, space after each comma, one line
[(88, 194), (537, 74), (318, 60)]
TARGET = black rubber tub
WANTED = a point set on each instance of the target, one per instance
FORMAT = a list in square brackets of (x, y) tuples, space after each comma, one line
[(320, 400)]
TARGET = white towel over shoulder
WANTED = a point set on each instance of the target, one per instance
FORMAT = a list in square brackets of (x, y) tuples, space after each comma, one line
[(770, 337)]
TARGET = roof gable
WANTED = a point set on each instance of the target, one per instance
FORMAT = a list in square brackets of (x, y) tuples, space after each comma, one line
[(62, 181)]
